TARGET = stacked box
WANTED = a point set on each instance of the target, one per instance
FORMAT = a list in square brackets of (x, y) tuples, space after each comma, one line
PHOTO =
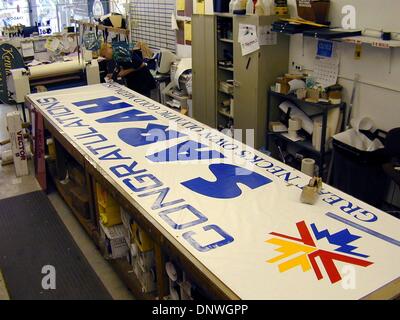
[(114, 241)]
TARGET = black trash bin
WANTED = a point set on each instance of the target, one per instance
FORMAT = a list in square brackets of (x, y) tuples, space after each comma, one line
[(360, 173)]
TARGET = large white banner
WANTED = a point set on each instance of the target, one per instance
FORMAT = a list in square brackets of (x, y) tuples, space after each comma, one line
[(236, 210)]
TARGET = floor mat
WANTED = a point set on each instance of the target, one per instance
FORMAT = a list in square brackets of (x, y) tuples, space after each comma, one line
[(33, 239)]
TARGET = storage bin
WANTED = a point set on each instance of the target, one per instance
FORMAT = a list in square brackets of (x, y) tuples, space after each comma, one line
[(360, 173)]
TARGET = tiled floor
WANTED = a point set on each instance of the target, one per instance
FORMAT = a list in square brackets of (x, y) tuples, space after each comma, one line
[(11, 186)]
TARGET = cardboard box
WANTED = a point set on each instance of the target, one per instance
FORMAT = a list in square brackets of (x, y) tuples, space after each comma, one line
[(80, 201), (114, 241), (77, 175), (14, 125)]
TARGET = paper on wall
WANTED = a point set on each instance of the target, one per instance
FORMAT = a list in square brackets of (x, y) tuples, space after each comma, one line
[(266, 37), (249, 44), (248, 39), (246, 30)]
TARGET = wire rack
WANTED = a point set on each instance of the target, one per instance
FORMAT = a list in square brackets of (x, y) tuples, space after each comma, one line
[(151, 23)]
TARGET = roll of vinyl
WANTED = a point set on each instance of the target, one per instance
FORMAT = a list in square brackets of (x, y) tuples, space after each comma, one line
[(308, 166), (396, 36), (295, 124), (317, 135), (372, 33), (55, 69), (307, 123)]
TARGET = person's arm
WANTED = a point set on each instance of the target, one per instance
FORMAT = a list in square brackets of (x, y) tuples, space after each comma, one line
[(124, 72)]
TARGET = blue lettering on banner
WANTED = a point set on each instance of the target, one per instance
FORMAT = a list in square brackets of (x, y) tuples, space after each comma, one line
[(188, 236), (153, 133), (104, 104), (127, 116), (159, 203), (101, 104), (114, 155), (364, 229), (185, 151), (226, 186), (165, 215), (154, 182), (127, 170)]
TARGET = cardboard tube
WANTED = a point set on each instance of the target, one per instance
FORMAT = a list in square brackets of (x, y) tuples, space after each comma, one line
[(54, 69), (308, 166)]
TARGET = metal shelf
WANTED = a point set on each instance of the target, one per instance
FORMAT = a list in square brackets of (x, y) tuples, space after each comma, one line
[(226, 68), (311, 110), (226, 40), (225, 114), (305, 144)]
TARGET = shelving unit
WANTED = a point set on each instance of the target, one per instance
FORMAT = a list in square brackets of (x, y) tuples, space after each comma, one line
[(252, 74), (312, 110), (224, 47)]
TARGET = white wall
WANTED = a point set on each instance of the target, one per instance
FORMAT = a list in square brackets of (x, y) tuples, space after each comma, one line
[(379, 91)]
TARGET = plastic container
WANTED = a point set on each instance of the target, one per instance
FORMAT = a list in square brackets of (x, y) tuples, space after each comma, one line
[(221, 6), (360, 173)]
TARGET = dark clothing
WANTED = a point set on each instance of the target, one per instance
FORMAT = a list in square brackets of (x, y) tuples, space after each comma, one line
[(140, 80)]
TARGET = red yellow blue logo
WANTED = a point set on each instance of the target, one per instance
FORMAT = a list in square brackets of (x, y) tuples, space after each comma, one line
[(303, 251)]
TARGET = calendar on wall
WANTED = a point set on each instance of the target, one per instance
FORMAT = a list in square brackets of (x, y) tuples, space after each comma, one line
[(326, 71)]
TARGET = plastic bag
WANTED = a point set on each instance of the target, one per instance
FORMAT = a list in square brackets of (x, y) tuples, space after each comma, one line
[(91, 41), (121, 52), (358, 140)]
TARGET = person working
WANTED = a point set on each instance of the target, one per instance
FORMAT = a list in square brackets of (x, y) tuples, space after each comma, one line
[(135, 72)]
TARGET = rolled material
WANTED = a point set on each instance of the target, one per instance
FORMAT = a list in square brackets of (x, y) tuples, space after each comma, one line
[(295, 112), (55, 69), (295, 124), (317, 135), (308, 166), (372, 33)]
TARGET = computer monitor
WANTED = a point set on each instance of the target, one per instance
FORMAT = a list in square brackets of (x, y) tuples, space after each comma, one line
[(165, 59)]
